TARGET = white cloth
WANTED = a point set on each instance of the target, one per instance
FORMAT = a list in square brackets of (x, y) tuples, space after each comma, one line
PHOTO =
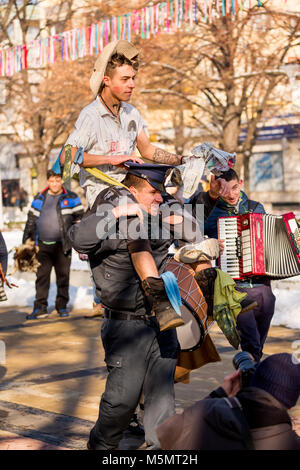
[(98, 132)]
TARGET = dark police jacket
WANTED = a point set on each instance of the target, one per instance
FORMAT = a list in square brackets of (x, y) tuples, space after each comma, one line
[(99, 235), (69, 211)]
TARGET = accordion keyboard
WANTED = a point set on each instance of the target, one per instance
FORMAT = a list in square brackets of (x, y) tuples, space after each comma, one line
[(229, 232)]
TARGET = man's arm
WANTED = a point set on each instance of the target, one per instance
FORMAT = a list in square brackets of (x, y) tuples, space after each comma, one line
[(89, 234), (90, 160), (30, 227), (218, 187), (155, 154), (77, 210), (91, 231)]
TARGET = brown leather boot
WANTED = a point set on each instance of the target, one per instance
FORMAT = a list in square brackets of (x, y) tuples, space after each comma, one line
[(167, 318)]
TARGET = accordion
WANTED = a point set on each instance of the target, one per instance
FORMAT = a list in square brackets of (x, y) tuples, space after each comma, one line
[(259, 244)]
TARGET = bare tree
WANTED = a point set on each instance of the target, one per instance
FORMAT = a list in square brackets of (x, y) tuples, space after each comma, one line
[(228, 71), (42, 103)]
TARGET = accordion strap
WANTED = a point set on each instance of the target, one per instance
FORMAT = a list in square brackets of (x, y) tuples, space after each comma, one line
[(252, 205)]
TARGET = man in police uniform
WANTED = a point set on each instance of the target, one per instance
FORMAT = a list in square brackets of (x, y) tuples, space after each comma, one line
[(138, 355)]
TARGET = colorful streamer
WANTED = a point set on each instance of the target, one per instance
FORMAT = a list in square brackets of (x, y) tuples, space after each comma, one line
[(166, 17)]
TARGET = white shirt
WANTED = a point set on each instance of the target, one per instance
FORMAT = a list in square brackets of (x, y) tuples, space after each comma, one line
[(98, 132)]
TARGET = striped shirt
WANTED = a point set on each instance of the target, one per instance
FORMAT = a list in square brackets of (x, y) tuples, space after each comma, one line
[(98, 132)]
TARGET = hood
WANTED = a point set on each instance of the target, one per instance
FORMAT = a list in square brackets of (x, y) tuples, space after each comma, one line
[(261, 408)]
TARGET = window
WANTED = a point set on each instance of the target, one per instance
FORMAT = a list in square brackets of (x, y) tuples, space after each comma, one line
[(10, 193), (266, 172)]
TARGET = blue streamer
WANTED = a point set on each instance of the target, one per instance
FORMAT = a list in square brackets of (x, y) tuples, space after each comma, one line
[(78, 159), (172, 290), (57, 166)]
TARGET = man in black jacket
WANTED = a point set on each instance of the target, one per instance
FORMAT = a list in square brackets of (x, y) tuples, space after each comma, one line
[(52, 213), (138, 355)]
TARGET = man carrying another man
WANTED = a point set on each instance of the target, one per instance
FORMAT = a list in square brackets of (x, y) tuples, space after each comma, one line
[(138, 355)]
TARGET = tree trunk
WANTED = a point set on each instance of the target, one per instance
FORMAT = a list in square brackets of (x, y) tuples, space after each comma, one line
[(231, 122), (246, 161), (178, 124), (41, 169)]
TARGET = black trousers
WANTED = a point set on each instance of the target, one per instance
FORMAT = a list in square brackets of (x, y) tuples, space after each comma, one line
[(138, 358), (52, 256), (254, 325)]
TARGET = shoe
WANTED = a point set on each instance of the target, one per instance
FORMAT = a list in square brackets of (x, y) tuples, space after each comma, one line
[(247, 305), (62, 312), (89, 446), (38, 313), (135, 427), (98, 311), (161, 307)]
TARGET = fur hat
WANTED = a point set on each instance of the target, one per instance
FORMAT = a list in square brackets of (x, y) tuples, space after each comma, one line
[(279, 375), (25, 259), (119, 46)]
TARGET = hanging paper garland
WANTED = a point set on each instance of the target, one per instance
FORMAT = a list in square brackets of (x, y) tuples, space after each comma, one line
[(167, 16)]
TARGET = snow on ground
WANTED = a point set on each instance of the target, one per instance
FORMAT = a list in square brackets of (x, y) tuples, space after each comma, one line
[(287, 292), (14, 238), (82, 296), (287, 307), (23, 296)]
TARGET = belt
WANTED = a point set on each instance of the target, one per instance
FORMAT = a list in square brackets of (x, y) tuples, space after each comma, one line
[(112, 314)]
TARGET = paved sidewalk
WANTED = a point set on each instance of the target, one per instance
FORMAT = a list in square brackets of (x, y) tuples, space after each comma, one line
[(11, 441), (54, 374)]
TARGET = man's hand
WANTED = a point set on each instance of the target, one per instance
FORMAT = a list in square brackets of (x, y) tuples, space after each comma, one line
[(128, 210), (83, 256), (232, 384), (4, 280), (218, 187), (118, 160)]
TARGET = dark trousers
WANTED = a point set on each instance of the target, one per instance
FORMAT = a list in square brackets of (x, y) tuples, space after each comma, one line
[(52, 256), (138, 358), (254, 325)]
